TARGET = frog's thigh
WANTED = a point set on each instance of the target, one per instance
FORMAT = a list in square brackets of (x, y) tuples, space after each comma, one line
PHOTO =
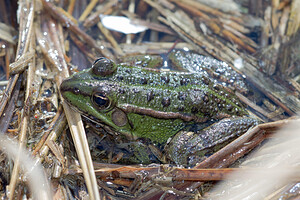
[(190, 148)]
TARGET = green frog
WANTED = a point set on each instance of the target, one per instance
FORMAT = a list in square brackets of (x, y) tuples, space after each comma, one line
[(187, 114)]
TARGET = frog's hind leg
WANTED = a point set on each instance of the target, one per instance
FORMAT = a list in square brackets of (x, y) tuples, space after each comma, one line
[(189, 148)]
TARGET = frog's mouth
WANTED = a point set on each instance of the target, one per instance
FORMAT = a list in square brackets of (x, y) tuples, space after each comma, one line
[(99, 122), (85, 115), (73, 95)]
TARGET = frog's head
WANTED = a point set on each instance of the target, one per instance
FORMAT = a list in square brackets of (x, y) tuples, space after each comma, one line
[(93, 94)]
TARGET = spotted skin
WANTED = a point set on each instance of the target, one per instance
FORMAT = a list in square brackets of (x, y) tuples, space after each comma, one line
[(148, 103)]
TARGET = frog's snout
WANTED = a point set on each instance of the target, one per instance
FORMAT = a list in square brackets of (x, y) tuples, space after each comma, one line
[(68, 86), (64, 86)]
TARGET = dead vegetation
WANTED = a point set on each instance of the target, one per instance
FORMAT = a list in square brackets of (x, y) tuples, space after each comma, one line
[(260, 39)]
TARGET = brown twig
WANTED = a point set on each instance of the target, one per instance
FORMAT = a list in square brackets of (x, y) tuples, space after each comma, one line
[(59, 115), (177, 174), (94, 18), (217, 28), (83, 48), (64, 19), (87, 10)]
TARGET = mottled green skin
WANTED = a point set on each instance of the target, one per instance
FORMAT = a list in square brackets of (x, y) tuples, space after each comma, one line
[(189, 115), (144, 61), (189, 147), (190, 94)]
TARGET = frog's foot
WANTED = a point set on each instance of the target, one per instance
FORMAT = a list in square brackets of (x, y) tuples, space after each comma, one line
[(190, 148)]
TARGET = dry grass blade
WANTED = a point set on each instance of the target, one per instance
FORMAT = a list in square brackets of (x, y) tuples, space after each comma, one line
[(37, 180), (153, 47), (82, 149), (71, 6), (176, 174), (26, 20), (111, 39), (217, 28), (8, 92), (94, 18), (294, 21), (74, 119), (27, 31), (87, 52), (189, 34), (283, 157), (87, 10), (64, 19), (20, 64), (5, 33), (253, 105)]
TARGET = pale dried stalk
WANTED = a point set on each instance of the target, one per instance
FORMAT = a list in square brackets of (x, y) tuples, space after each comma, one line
[(71, 6), (252, 104), (131, 9), (26, 29), (294, 21), (20, 64), (235, 26), (87, 10), (74, 119), (64, 18), (5, 33), (82, 149), (37, 181), (283, 21), (181, 27), (153, 47), (94, 18), (275, 159), (26, 20), (22, 143), (111, 39)]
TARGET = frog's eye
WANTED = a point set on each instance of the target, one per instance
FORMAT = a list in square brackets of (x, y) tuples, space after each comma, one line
[(103, 67), (101, 100)]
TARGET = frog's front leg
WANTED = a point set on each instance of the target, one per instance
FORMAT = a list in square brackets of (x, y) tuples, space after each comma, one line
[(189, 148)]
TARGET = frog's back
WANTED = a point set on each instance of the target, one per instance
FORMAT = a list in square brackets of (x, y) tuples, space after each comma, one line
[(188, 96), (145, 102)]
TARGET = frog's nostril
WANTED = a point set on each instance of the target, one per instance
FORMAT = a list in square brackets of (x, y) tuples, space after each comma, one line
[(76, 90), (69, 86)]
